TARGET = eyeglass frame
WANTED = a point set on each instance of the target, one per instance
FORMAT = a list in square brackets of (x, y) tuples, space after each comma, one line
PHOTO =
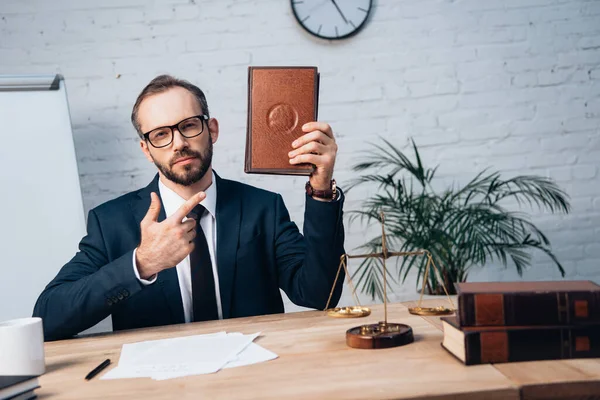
[(202, 117)]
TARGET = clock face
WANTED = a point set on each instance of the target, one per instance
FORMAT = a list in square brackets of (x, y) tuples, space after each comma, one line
[(332, 19)]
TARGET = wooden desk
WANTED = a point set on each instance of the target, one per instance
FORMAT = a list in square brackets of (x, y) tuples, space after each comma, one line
[(314, 362)]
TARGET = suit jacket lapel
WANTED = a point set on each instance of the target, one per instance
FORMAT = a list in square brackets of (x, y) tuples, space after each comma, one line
[(166, 279), (228, 232)]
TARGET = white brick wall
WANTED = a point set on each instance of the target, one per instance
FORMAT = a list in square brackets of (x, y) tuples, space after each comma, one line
[(507, 84)]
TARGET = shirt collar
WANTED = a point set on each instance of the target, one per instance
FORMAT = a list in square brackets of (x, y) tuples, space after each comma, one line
[(172, 201)]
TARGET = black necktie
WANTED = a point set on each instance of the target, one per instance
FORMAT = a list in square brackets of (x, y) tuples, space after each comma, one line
[(204, 298)]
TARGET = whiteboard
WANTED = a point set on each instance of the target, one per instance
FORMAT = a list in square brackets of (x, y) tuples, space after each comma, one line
[(40, 196)]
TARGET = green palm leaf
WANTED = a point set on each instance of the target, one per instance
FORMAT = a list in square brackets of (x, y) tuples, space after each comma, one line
[(463, 228)]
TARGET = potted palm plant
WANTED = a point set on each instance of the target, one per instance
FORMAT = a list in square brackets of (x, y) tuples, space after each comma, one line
[(462, 227)]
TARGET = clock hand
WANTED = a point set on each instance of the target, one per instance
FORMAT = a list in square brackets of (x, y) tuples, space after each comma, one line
[(340, 11)]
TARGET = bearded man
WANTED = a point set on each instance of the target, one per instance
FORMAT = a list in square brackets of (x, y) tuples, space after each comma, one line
[(192, 246)]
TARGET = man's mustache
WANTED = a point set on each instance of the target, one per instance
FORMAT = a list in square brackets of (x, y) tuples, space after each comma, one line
[(184, 154)]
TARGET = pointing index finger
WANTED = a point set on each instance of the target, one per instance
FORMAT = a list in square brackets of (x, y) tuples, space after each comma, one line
[(184, 210)]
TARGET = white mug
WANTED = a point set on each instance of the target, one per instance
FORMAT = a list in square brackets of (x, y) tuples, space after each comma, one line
[(22, 347)]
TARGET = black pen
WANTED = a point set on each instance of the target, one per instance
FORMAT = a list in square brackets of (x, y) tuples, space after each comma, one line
[(96, 370)]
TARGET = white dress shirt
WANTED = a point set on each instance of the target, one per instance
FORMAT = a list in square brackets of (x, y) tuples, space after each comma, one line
[(171, 202)]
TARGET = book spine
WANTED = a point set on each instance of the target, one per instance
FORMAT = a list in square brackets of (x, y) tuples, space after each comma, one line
[(532, 344), (510, 309)]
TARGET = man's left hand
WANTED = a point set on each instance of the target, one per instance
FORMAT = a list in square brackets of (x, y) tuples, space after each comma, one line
[(317, 146)]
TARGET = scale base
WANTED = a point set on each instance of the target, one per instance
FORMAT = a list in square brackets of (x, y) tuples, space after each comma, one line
[(383, 335)]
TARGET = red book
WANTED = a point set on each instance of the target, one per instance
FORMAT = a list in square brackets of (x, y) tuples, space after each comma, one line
[(528, 303), (482, 345), (280, 101)]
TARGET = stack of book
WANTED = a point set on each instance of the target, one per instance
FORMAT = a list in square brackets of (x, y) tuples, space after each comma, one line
[(18, 387), (499, 322)]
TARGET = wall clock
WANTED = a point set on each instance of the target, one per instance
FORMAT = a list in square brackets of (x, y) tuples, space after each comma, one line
[(332, 19)]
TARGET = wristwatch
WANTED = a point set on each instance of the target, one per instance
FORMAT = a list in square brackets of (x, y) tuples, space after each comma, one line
[(328, 194)]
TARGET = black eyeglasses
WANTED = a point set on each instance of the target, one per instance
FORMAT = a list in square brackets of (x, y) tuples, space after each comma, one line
[(189, 128)]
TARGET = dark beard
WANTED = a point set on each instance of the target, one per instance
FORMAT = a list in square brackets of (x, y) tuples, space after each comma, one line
[(191, 173)]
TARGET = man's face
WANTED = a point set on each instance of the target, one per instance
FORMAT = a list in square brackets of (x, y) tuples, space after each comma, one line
[(186, 160)]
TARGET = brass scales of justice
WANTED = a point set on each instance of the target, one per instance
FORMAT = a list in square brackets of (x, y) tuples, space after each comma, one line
[(383, 334)]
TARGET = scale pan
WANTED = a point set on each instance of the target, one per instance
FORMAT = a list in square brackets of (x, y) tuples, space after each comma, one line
[(441, 310), (349, 312)]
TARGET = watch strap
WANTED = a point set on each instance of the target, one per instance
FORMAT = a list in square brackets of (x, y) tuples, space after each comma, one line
[(328, 194)]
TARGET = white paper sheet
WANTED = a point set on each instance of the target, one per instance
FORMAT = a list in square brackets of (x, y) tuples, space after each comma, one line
[(252, 354), (189, 355)]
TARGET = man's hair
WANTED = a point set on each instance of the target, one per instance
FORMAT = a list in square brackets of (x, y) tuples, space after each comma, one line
[(161, 84)]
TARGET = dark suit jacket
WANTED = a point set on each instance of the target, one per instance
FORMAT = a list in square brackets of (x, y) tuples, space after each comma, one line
[(259, 250)]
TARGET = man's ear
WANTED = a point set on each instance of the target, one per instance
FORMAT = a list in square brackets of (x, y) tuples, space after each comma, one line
[(213, 126), (146, 150)]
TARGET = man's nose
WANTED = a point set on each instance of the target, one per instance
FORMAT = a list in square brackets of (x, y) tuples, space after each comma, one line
[(179, 141)]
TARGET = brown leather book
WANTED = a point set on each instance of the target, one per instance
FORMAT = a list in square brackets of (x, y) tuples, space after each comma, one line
[(479, 345), (528, 303), (280, 101)]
